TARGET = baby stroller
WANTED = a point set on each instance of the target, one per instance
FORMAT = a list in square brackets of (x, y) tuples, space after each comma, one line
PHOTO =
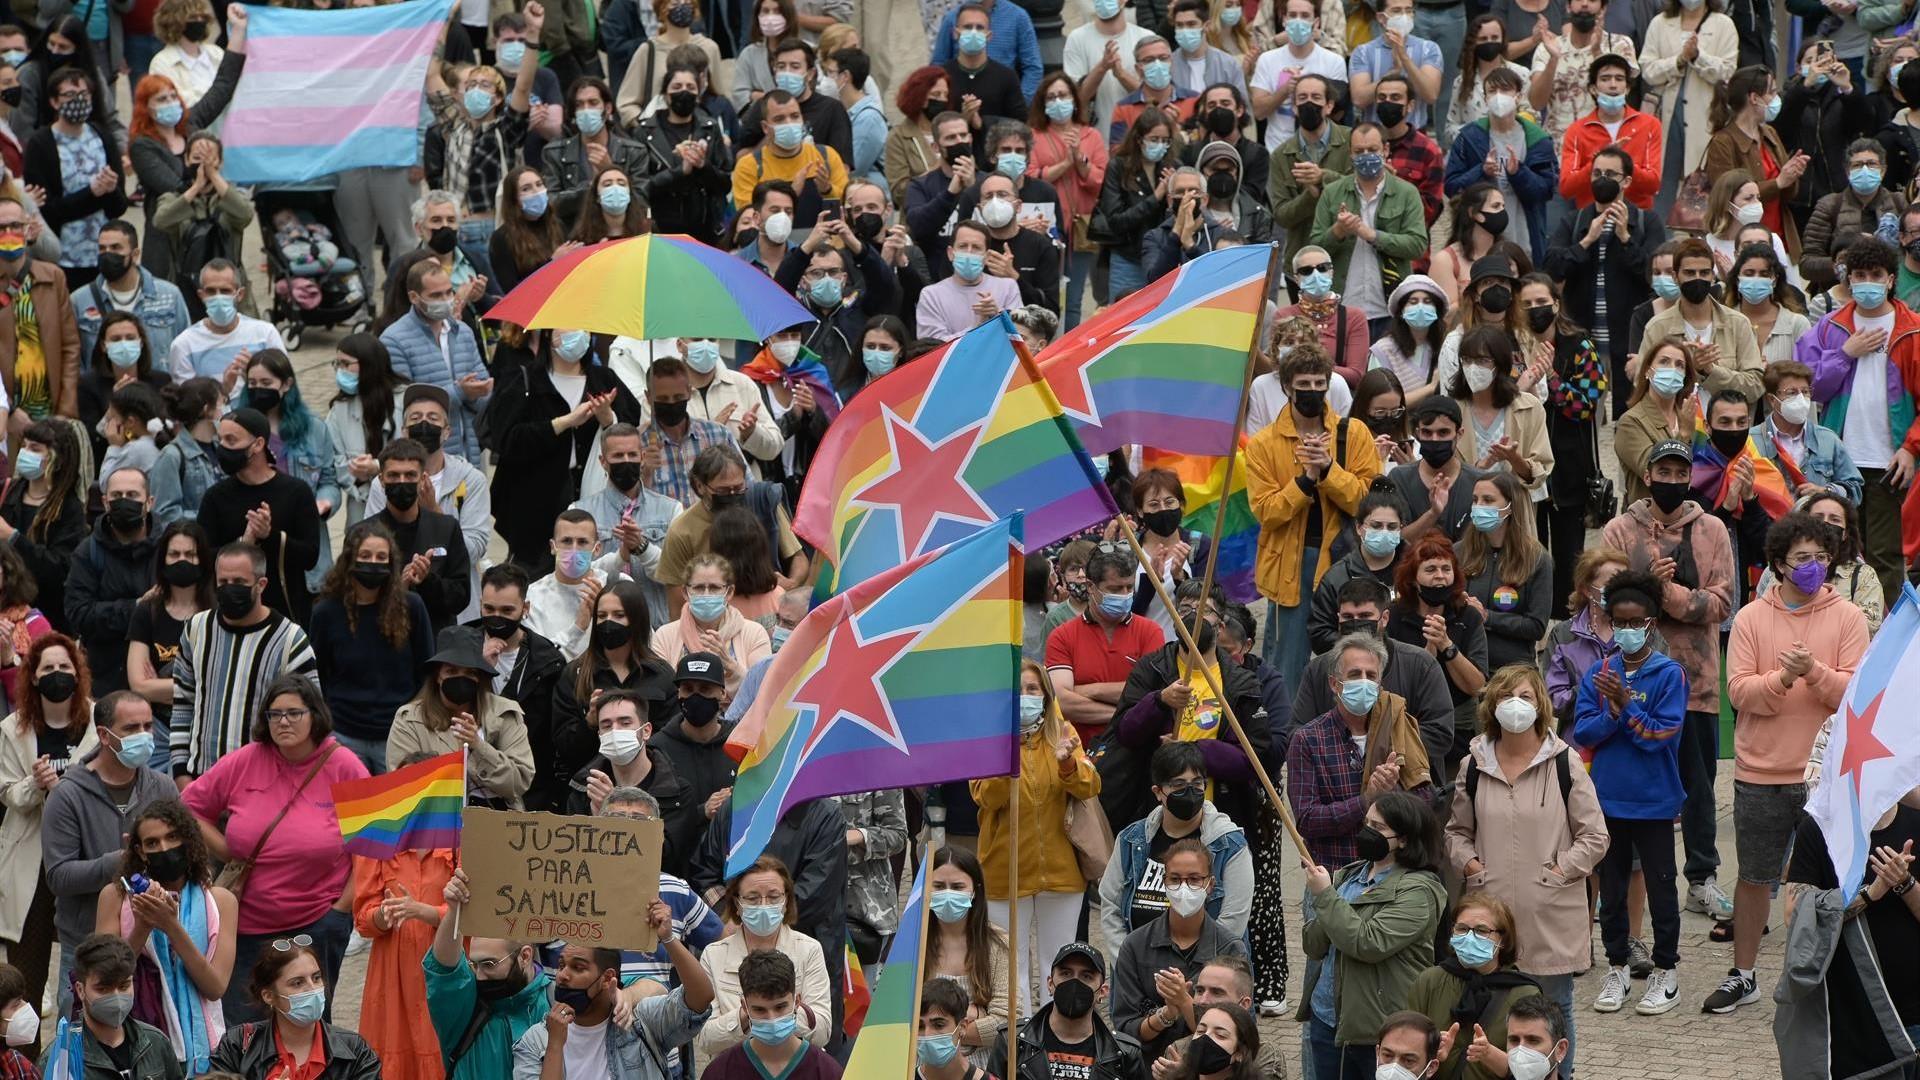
[(313, 273)]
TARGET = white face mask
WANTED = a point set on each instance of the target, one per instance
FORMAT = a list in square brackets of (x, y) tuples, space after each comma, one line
[(1393, 1070), (1186, 900), (1515, 714), (1526, 1063), (1478, 376), (1400, 24), (23, 1027), (620, 745), (1503, 105), (778, 226), (997, 213), (1797, 409), (785, 351), (1751, 212)]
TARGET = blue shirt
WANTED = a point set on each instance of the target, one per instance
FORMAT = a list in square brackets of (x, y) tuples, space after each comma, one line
[(1011, 41), (1349, 890), (1376, 59)]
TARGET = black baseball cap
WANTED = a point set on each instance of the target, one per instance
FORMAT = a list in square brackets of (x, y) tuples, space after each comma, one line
[(700, 667), (1083, 951), (1670, 448)]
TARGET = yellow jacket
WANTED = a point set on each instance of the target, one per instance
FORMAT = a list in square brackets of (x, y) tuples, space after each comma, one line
[(762, 163), (1280, 504), (1047, 861)]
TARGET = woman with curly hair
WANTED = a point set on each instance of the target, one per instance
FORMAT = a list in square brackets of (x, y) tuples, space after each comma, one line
[(371, 639), (910, 151), (21, 624), (180, 924), (1432, 611)]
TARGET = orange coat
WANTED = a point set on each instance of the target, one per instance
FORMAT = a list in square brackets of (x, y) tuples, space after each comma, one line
[(1639, 137), (400, 1030)]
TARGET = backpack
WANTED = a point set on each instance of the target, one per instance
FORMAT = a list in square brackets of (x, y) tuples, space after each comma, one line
[(204, 240), (1562, 764)]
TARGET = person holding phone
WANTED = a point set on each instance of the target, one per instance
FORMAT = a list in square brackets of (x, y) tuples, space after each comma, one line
[(1822, 112)]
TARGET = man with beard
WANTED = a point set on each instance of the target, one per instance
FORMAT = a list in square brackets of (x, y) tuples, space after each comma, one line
[(1068, 1031)]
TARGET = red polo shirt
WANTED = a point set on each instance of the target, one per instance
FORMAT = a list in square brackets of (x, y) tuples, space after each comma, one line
[(1084, 647)]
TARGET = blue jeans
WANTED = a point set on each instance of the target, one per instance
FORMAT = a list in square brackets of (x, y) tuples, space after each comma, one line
[(1124, 276), (329, 933), (1699, 761), (1559, 990), (371, 752), (1447, 28), (1285, 643), (1079, 266), (474, 234), (1332, 1061)]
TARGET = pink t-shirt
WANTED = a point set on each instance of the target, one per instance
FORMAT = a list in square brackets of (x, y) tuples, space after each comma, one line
[(304, 867)]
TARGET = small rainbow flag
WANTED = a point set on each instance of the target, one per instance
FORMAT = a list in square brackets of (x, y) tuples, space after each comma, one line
[(854, 994), (1202, 477), (888, 1039), (1713, 471), (1164, 366), (416, 808)]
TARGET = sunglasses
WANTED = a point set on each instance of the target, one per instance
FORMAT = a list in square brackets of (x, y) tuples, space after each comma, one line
[(297, 941)]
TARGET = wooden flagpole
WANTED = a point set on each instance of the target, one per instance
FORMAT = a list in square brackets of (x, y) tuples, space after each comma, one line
[(920, 955), (1013, 896)]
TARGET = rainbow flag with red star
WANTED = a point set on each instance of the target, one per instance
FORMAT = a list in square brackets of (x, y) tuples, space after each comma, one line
[(910, 677), (939, 448)]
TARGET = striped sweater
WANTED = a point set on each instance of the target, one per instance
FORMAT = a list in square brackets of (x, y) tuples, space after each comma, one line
[(220, 681)]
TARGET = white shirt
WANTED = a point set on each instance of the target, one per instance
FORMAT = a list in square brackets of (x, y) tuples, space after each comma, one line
[(1267, 76), (1082, 54), (553, 606), (1868, 433), (587, 1052), (1364, 289)]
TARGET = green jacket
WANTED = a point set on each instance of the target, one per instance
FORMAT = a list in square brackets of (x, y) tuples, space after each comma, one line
[(1293, 204), (1401, 225), (452, 998), (1384, 938), (1436, 991)]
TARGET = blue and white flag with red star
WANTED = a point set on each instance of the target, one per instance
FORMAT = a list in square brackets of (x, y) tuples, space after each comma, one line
[(1873, 756)]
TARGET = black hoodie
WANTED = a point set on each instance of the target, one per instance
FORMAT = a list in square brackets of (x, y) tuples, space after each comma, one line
[(705, 767), (684, 818), (108, 576)]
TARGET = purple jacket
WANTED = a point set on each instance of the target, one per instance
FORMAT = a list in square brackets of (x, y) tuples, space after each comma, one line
[(1572, 650)]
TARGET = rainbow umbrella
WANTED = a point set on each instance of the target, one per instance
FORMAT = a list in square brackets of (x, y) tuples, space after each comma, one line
[(655, 286)]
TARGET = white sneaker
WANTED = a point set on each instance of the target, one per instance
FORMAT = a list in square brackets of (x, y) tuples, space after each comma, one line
[(1613, 990), (1272, 1009), (1663, 993), (357, 944), (1707, 899)]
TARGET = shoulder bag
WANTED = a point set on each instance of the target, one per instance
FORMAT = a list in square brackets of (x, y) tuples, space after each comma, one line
[(233, 876)]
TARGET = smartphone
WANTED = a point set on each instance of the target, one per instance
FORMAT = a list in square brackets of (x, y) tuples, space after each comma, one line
[(830, 210)]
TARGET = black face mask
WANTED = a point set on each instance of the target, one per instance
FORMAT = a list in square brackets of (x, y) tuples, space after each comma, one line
[(1186, 803), (608, 634), (1496, 299), (1390, 113), (682, 102), (462, 690), (125, 515), (401, 495), (670, 413), (427, 434), (935, 106), (499, 627), (624, 475), (112, 264), (232, 459), (264, 398), (1310, 114), (1540, 319), (441, 240), (1309, 402), (1696, 290), (168, 865), (723, 501), (1384, 425), (955, 152), (1494, 221), (1584, 21), (1436, 595), (504, 987), (699, 710), (1222, 185), (372, 574), (1669, 496), (181, 574), (1486, 51), (1072, 998), (868, 227), (1605, 189), (1729, 443), (1207, 1057), (57, 686), (1436, 452), (1370, 845), (196, 30), (1221, 121), (1161, 522), (1359, 626), (234, 601), (11, 95)]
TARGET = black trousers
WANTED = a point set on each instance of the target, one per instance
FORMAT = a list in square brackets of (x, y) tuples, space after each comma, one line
[(1652, 841)]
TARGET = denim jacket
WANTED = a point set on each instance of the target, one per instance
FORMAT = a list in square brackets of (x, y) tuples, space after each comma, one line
[(160, 307), (1824, 459), (180, 479), (1232, 872)]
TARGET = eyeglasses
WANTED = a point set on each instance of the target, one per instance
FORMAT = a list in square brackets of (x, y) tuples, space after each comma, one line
[(1175, 881), (288, 944), (1483, 931), (705, 590), (1184, 785), (1315, 268), (491, 965), (286, 716), (1806, 557)]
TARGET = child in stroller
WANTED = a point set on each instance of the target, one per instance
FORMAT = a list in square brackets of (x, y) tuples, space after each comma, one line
[(311, 255)]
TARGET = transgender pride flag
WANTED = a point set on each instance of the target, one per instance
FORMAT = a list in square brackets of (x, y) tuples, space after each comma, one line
[(329, 90)]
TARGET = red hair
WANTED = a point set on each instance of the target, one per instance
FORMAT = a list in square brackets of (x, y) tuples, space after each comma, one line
[(1432, 545), (28, 703), (144, 125), (912, 96)]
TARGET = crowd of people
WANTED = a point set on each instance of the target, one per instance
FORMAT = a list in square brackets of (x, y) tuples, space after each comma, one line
[(1488, 668)]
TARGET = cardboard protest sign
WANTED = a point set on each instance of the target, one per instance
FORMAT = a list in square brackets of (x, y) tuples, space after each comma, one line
[(541, 877)]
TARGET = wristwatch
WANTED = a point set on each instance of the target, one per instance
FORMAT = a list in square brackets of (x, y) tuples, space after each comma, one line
[(1903, 888), (1447, 654)]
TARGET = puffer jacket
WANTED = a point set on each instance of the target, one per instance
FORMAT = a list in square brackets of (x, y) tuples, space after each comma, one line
[(1840, 218), (1384, 939), (417, 358), (1700, 595), (108, 575), (1520, 828), (1047, 859)]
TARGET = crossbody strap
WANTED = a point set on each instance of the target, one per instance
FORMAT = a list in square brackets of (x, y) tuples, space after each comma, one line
[(295, 797)]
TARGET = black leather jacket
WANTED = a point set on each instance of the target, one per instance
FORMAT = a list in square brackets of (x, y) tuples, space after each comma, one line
[(1115, 1056), (563, 165), (681, 201)]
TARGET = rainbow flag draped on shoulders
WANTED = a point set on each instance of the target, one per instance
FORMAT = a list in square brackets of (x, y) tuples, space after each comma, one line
[(940, 448), (1202, 477), (415, 808), (806, 370), (910, 677), (1164, 366), (1713, 471), (889, 1037)]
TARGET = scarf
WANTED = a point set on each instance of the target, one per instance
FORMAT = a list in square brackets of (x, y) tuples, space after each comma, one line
[(30, 360), (1477, 989), (187, 1020), (1320, 311), (1713, 473)]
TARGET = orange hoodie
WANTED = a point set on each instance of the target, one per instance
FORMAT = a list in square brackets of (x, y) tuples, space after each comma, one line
[(1775, 727)]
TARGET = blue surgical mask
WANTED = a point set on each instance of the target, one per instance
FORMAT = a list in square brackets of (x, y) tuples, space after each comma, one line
[(1667, 381), (950, 906), (135, 749), (1666, 287), (764, 920), (1773, 109), (1032, 708), (1317, 284), (1157, 73), (779, 637), (615, 198), (347, 381), (1868, 294), (511, 53), (1487, 518), (222, 309), (825, 291), (16, 57), (306, 1007), (1420, 315), (478, 102), (1755, 290), (1155, 149), (707, 608), (169, 114), (1369, 166), (935, 1051), (702, 355), (1631, 639), (1378, 542), (788, 136), (878, 361), (1188, 38), (575, 562), (1116, 605), (1102, 9), (775, 1032), (30, 464), (573, 344), (973, 42), (1299, 31), (1060, 110), (791, 81), (1865, 179), (1230, 16), (968, 266), (1612, 103), (533, 207), (590, 121), (124, 353), (1818, 79), (1012, 166), (1472, 949), (1358, 695)]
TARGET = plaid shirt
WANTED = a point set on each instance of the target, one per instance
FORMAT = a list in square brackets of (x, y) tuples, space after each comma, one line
[(1324, 785), (1415, 158), (495, 149), (15, 1065), (671, 478)]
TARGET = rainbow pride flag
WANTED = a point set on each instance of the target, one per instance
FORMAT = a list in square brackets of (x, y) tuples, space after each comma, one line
[(890, 1035), (1164, 366), (806, 368), (936, 450), (855, 995), (910, 677), (416, 808), (1203, 477), (1713, 472)]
